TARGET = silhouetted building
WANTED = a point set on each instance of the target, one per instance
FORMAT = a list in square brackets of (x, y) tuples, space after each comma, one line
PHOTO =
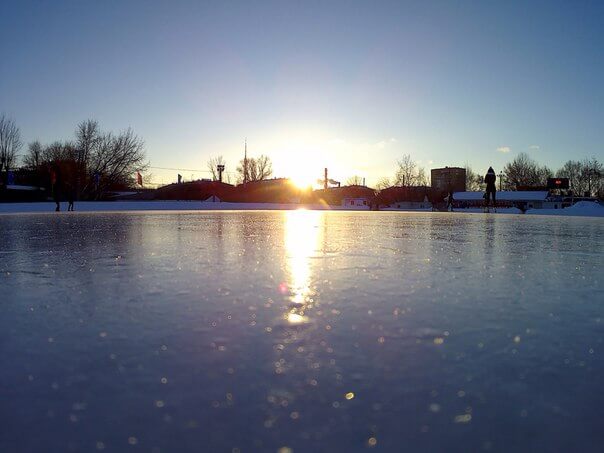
[(276, 190), (448, 179), (344, 196), (196, 190), (355, 202), (407, 197)]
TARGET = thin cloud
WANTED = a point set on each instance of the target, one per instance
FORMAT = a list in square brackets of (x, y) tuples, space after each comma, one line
[(504, 149), (534, 147), (383, 143)]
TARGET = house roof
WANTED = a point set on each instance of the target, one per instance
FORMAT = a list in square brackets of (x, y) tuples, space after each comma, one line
[(506, 195)]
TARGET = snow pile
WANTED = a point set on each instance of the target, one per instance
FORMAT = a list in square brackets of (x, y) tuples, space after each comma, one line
[(581, 208)]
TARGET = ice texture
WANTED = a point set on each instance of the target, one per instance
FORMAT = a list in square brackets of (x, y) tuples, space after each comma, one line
[(301, 331)]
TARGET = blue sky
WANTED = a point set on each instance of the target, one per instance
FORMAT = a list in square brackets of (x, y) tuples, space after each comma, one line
[(348, 85)]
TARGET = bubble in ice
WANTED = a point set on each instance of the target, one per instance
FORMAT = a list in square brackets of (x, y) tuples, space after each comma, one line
[(463, 418)]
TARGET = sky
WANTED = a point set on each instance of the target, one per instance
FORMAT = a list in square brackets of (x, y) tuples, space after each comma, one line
[(351, 86)]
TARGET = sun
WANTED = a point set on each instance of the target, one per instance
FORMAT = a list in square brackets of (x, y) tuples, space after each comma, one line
[(303, 181), (302, 161), (302, 175)]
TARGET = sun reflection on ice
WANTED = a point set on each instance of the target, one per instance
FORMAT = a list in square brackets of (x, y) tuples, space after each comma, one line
[(295, 318), (301, 241)]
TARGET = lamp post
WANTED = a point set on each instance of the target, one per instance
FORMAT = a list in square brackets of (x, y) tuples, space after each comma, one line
[(500, 179)]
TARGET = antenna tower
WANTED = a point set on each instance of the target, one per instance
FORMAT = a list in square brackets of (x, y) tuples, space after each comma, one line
[(245, 163)]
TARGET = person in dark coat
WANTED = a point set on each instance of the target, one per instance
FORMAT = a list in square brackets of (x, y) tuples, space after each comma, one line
[(56, 181), (490, 179), (450, 201), (70, 197)]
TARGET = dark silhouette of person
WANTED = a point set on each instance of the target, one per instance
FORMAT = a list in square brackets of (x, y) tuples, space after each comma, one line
[(450, 201), (70, 197), (56, 181), (490, 179)]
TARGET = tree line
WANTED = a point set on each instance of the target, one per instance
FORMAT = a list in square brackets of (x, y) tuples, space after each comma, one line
[(585, 176), (92, 162), (102, 160)]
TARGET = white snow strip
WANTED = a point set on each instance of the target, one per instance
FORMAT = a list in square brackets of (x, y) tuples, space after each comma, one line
[(583, 208), (112, 206), (506, 195), (19, 187)]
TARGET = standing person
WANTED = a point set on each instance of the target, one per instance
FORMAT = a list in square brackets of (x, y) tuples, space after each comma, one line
[(490, 179), (70, 197), (450, 201), (56, 181)]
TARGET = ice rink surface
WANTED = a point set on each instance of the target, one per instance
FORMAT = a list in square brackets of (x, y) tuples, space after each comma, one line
[(301, 331)]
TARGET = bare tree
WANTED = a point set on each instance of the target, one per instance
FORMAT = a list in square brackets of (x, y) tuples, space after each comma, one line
[(258, 169), (592, 174), (87, 138), (117, 158), (383, 183), (243, 170), (355, 180), (10, 141), (474, 182), (406, 173), (522, 171), (93, 156), (33, 157), (572, 170), (543, 173), (420, 178), (585, 176), (263, 168), (213, 163), (58, 151)]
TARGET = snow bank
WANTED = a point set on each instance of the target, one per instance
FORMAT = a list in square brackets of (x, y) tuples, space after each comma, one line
[(581, 208), (505, 195)]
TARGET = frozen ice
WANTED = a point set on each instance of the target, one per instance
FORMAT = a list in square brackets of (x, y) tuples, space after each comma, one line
[(301, 331)]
